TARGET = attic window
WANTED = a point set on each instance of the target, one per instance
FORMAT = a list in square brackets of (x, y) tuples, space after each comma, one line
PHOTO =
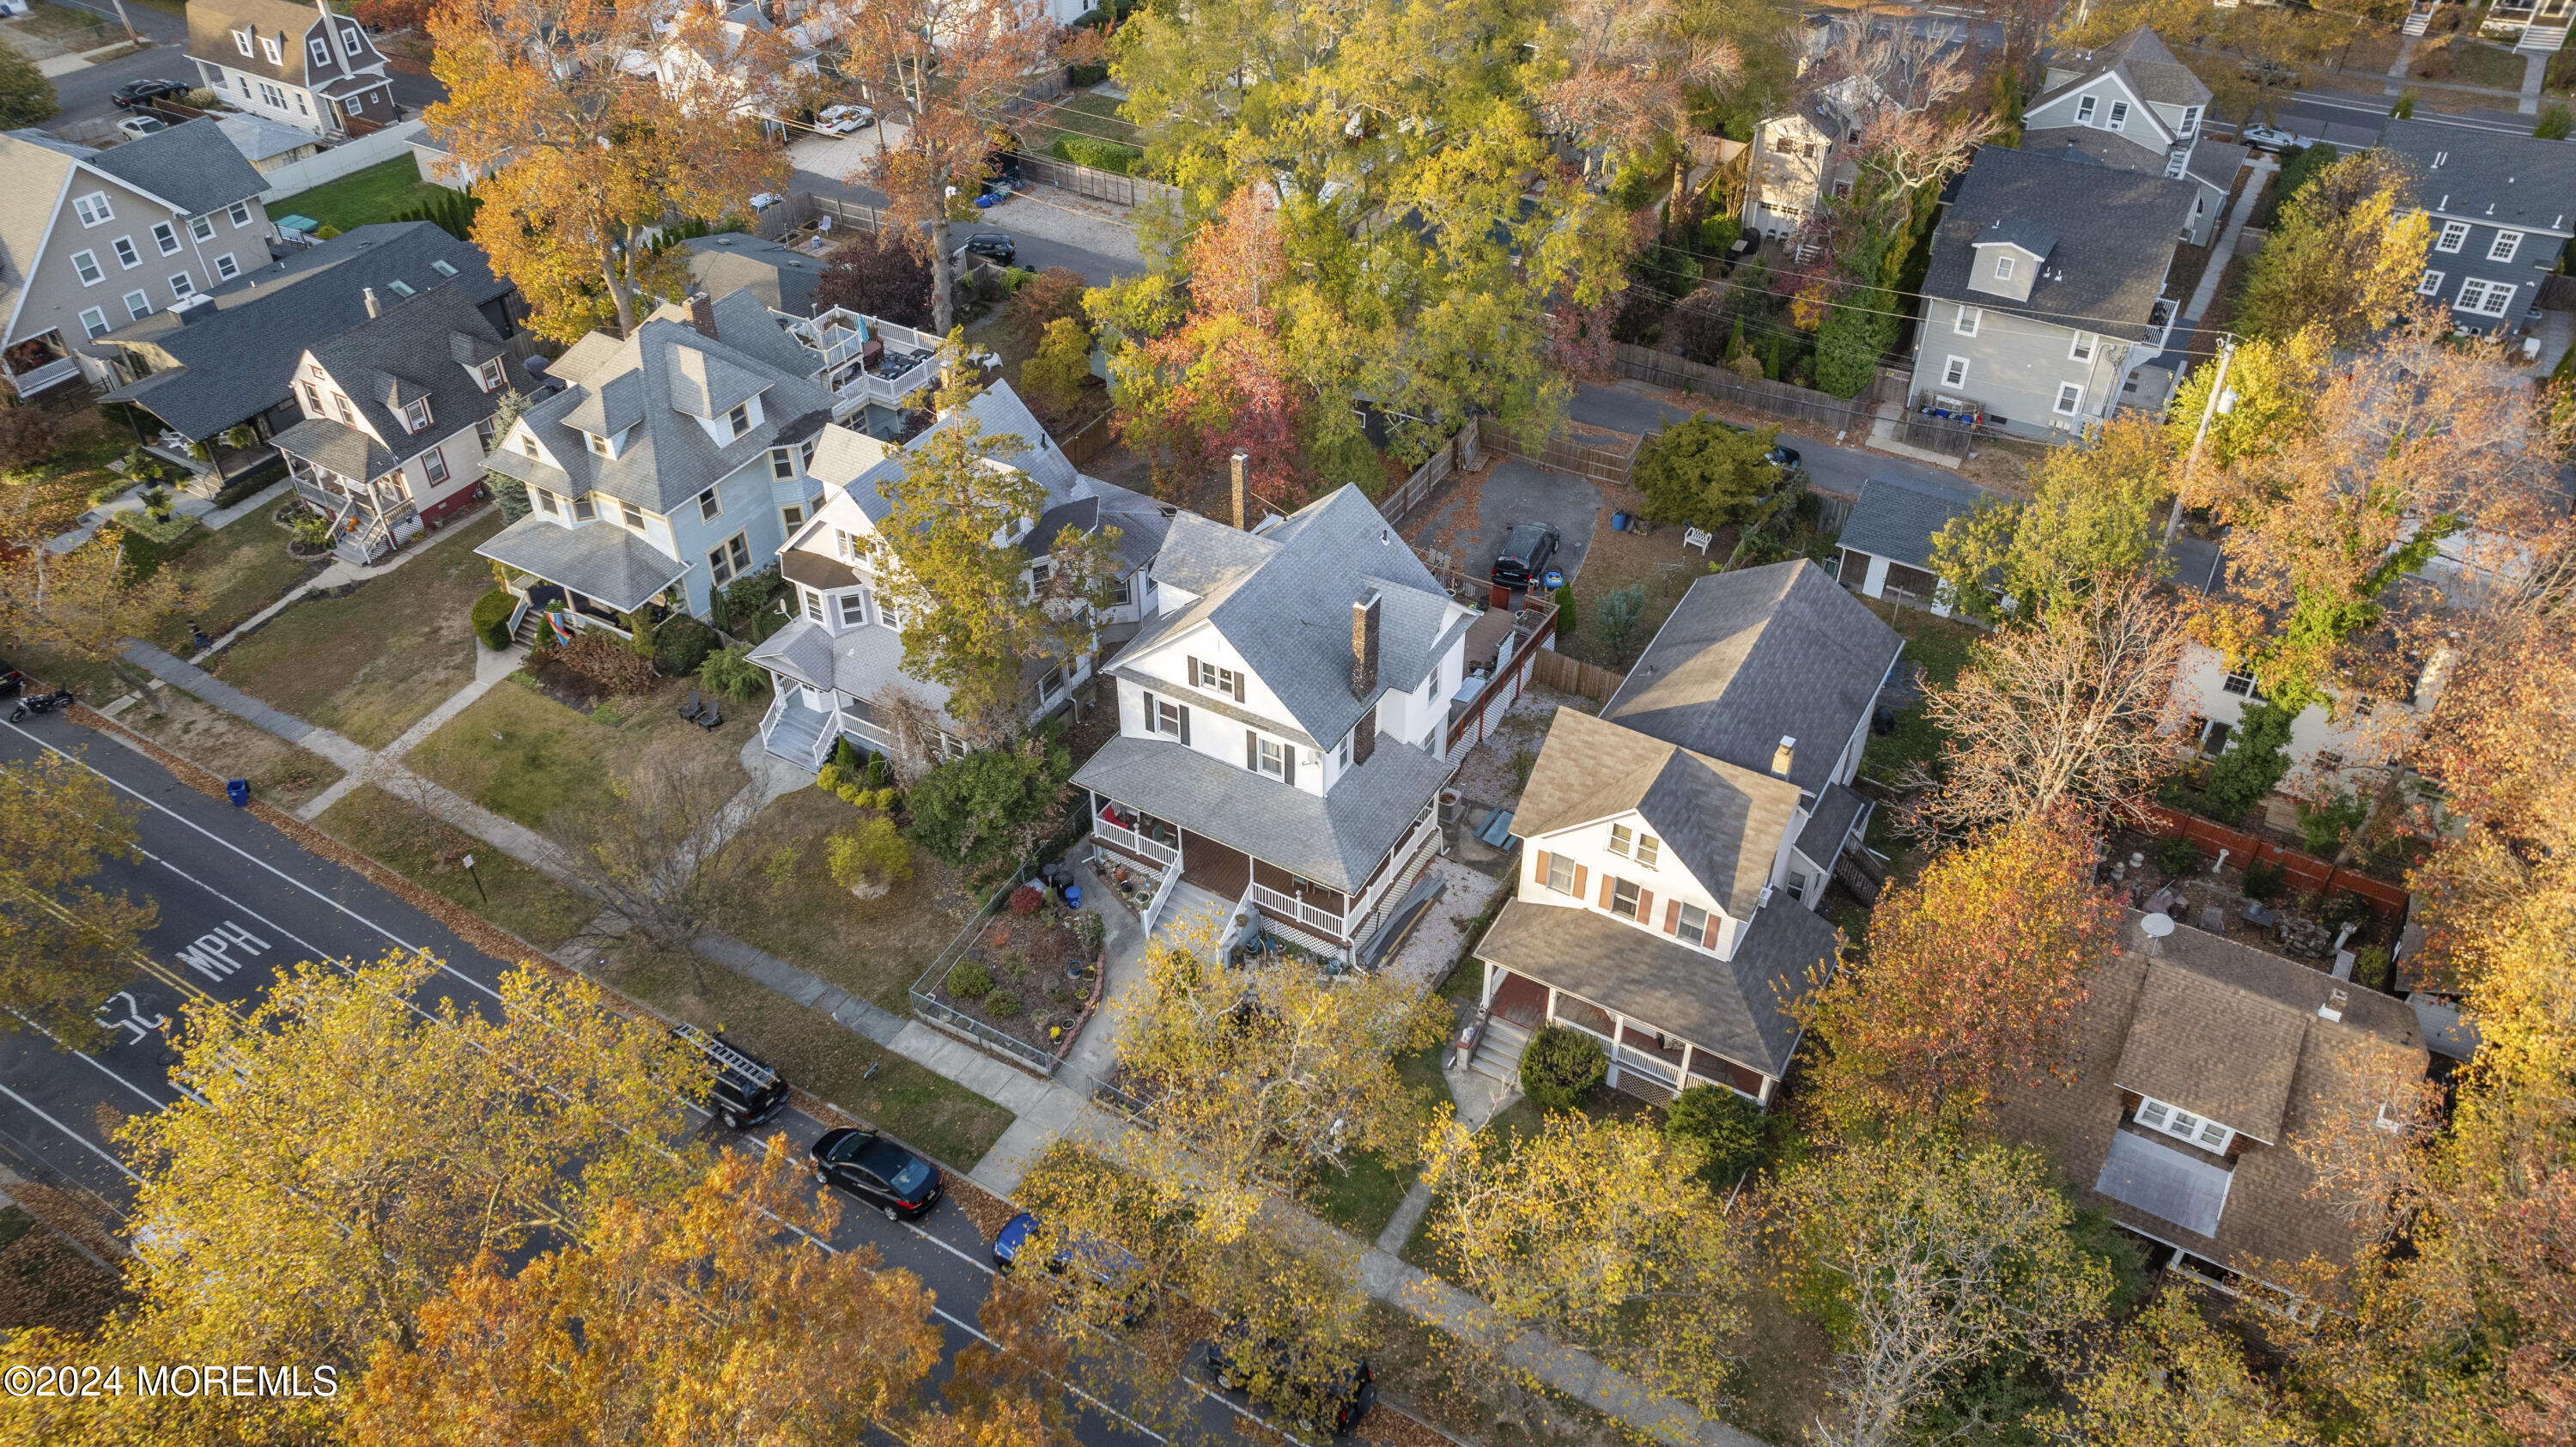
[(2084, 110), (489, 375), (268, 46), (1644, 848), (442, 268), (528, 443), (399, 287), (2003, 268), (2119, 115), (598, 444), (739, 419), (416, 415), (241, 39), (2209, 1135), (321, 50)]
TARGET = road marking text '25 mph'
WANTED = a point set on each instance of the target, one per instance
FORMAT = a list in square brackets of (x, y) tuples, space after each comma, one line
[(211, 954)]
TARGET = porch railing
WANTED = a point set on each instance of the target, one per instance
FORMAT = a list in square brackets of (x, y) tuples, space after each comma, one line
[(1295, 910), (37, 379), (1162, 895), (1130, 839)]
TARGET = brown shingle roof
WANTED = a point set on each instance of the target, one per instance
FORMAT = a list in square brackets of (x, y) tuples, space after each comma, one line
[(1722, 822), (2217, 1051)]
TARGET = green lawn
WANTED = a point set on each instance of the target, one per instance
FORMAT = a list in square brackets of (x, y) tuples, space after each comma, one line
[(1364, 1199), (2488, 65), (424, 850), (230, 575), (524, 756), (371, 664), (928, 1112), (1082, 114), (1941, 646), (873, 948), (360, 197)]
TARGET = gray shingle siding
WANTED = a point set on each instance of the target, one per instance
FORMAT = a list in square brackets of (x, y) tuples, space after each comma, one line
[(2481, 186)]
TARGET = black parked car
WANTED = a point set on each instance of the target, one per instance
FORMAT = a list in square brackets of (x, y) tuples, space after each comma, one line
[(993, 244), (1325, 1400), (746, 1092), (877, 1171), (1780, 455), (1526, 550), (134, 95)]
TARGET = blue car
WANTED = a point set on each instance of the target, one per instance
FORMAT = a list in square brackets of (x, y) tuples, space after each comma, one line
[(1109, 1265)]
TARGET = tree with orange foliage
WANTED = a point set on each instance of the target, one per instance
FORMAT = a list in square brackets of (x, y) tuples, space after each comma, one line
[(713, 1318), (586, 156), (1971, 978), (949, 72)]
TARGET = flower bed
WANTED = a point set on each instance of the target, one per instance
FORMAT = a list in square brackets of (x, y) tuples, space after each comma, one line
[(1028, 970)]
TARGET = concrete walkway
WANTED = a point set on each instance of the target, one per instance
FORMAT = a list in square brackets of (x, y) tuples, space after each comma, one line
[(2203, 294), (2535, 70), (1882, 438)]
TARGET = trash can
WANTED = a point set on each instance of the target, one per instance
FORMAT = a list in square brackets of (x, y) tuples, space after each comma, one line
[(1073, 896), (237, 790)]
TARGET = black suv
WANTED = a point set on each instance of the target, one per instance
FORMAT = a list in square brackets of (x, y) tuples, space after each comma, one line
[(1525, 553), (134, 95), (746, 1092), (993, 244), (877, 1171), (1326, 1401)]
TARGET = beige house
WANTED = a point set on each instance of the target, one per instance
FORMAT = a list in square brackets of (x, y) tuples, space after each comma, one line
[(303, 65)]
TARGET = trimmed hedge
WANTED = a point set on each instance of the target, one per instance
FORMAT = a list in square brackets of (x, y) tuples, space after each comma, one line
[(1561, 1068), (680, 644), (1096, 153), (492, 617)]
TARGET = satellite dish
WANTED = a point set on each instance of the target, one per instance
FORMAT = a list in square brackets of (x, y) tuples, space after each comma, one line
[(2156, 927)]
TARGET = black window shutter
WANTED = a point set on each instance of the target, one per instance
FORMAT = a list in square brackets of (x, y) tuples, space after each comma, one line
[(1289, 771), (1238, 685), (1252, 751), (1152, 723), (1194, 672), (1185, 723)]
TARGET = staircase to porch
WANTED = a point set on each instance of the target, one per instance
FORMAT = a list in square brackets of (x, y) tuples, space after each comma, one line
[(795, 732), (1498, 1054)]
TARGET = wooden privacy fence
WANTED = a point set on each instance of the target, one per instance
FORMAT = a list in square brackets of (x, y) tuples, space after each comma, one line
[(1667, 369), (1551, 669), (843, 213), (1088, 441), (2305, 872), (1459, 451), (1099, 185), (1599, 461)]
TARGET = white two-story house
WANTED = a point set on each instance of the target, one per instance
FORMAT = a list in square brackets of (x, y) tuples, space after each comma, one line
[(1282, 715), (838, 666), (670, 465), (2046, 293), (2503, 208), (1676, 847), (2131, 106), (301, 64)]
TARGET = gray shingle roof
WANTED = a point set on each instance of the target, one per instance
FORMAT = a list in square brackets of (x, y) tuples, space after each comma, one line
[(1739, 1008), (2486, 177), (1721, 822), (427, 336), (2142, 60), (999, 412), (1337, 840), (860, 662), (1750, 656), (1283, 600), (193, 166), (1821, 840), (667, 457), (235, 357), (2112, 235), (1895, 517), (212, 22), (779, 276), (343, 449), (598, 560), (2215, 162)]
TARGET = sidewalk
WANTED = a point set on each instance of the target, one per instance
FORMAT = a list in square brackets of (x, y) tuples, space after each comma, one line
[(1046, 1110)]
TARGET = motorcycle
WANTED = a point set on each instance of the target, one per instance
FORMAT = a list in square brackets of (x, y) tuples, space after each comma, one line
[(40, 703)]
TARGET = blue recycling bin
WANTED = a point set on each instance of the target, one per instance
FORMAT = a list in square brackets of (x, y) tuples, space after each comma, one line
[(1555, 579), (1073, 896), (237, 790)]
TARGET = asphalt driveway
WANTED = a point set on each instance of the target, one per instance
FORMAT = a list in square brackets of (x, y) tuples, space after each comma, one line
[(1517, 492), (1838, 470)]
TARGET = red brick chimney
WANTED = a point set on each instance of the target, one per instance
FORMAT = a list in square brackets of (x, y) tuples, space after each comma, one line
[(702, 314)]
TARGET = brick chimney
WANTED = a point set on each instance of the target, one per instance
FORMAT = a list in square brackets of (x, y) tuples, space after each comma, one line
[(1784, 756), (702, 314), (375, 308), (1364, 646), (1243, 492)]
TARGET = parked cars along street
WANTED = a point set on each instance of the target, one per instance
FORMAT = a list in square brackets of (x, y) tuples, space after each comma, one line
[(877, 1171)]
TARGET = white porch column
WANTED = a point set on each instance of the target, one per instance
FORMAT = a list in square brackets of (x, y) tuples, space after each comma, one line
[(1618, 1035), (1485, 997), (1688, 1050), (1551, 1002)]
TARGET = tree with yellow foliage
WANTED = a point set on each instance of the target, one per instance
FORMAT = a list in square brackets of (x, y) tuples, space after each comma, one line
[(65, 945), (2345, 254), (2170, 1378)]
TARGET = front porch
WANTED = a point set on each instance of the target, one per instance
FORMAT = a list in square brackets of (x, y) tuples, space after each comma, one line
[(368, 520), (590, 576), (40, 362), (1645, 1061)]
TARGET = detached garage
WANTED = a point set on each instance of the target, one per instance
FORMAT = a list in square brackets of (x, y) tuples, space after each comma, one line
[(1887, 545)]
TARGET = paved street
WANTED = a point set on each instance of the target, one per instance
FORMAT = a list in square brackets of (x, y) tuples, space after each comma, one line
[(239, 901), (1834, 469), (1051, 227)]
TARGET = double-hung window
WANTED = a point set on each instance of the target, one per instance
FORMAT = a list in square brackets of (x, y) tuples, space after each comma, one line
[(632, 515), (1954, 373), (1163, 716), (2084, 109), (269, 47), (433, 463), (321, 50), (708, 507), (416, 414), (86, 263), (2190, 122), (1269, 756), (1691, 923), (854, 609), (727, 562), (1968, 320), (165, 236), (1216, 680), (782, 463), (2173, 1120), (2081, 349), (126, 254), (202, 227), (138, 305), (182, 287), (813, 604), (2004, 268), (739, 419), (2119, 115), (1643, 848), (1625, 897), (597, 443), (585, 508), (488, 375), (546, 502), (239, 211), (93, 209), (2455, 234), (2506, 244), (226, 267), (241, 41), (2070, 398), (1560, 874), (94, 322)]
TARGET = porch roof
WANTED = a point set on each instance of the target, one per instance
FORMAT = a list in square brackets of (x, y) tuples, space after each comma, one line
[(1337, 840), (1736, 1008), (1836, 812), (597, 560), (338, 447)]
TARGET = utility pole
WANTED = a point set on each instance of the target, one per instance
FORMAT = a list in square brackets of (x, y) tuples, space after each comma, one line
[(2210, 407)]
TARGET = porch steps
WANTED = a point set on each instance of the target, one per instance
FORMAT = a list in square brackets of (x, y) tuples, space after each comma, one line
[(1498, 1054), (798, 734), (529, 623)]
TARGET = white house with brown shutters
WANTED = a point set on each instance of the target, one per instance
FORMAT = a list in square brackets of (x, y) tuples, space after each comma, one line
[(1283, 714), (1678, 845)]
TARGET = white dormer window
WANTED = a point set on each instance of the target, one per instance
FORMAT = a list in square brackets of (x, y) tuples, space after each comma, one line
[(416, 415), (738, 421), (321, 50), (2506, 244), (2119, 115), (1968, 320), (2174, 1121), (349, 34), (598, 444), (269, 47), (2190, 122), (2003, 268), (488, 375), (241, 41), (2084, 109), (93, 208), (2455, 234)]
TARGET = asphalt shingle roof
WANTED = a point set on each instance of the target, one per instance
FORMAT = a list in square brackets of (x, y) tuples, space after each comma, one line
[(2501, 180), (1822, 837), (429, 338), (1739, 1008), (1282, 599), (2141, 59), (1895, 517), (1337, 840), (2111, 237), (193, 166), (780, 276), (597, 559), (1751, 656), (234, 357), (1721, 822)]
